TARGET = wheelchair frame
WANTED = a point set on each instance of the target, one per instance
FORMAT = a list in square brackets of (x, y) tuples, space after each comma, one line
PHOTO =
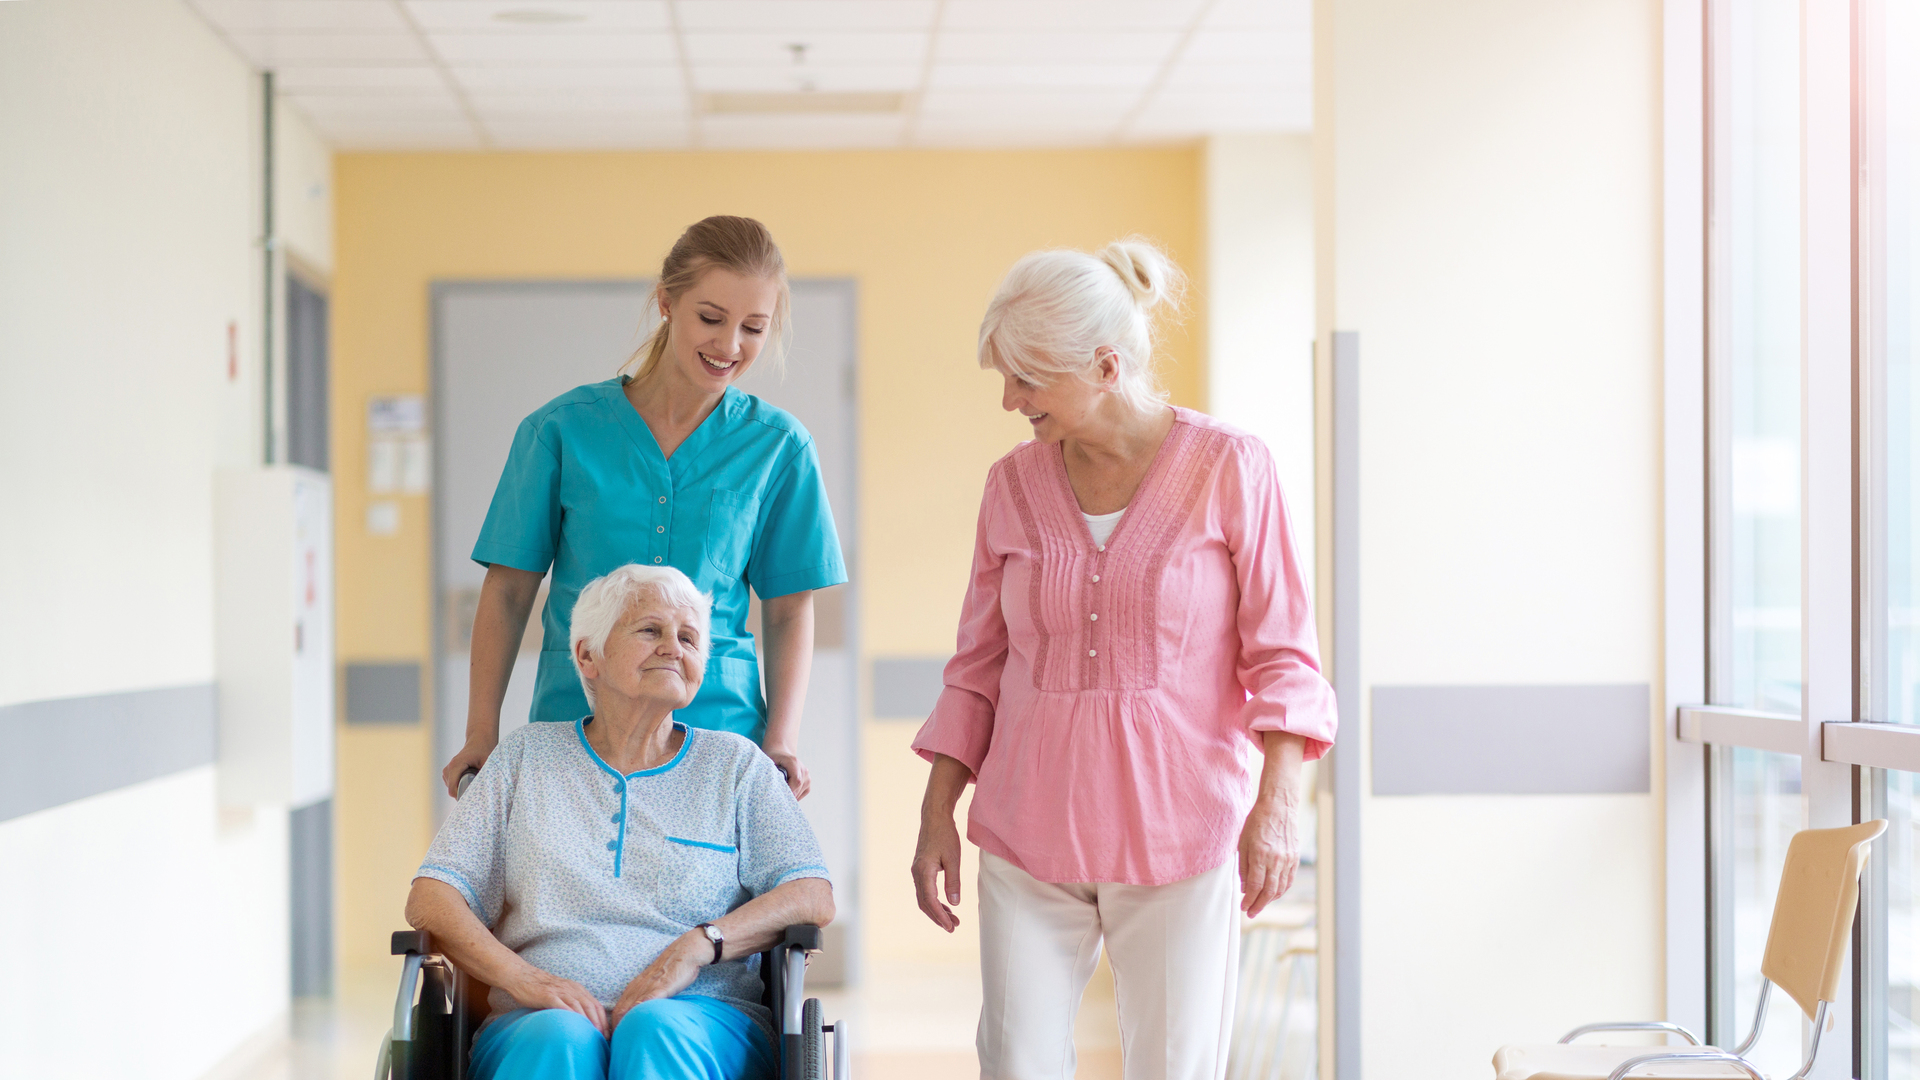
[(439, 1008)]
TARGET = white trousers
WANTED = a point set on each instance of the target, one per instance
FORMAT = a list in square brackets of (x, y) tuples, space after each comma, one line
[(1174, 949)]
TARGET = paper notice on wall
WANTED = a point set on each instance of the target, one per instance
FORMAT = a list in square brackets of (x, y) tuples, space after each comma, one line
[(399, 456), (416, 465), (399, 414), (383, 465)]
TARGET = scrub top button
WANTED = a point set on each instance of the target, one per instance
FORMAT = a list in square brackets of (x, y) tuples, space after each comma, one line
[(656, 558), (659, 528), (663, 500)]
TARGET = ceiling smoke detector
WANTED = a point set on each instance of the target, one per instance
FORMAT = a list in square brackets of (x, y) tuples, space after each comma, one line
[(537, 16), (788, 104)]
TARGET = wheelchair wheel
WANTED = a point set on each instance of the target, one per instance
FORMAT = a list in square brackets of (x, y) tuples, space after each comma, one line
[(812, 1038)]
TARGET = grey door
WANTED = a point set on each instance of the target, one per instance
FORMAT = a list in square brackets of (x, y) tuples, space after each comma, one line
[(502, 349)]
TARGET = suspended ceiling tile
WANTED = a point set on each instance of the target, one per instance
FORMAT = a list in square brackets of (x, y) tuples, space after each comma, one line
[(994, 101), (575, 135), (976, 136), (1271, 77), (546, 48), (1022, 15), (834, 80), (1039, 76), (1275, 49), (776, 50), (594, 104), (814, 16), (522, 15), (800, 132), (399, 135), (360, 79), (326, 47), (1090, 46), (557, 77), (398, 103), (1260, 15), (242, 16)]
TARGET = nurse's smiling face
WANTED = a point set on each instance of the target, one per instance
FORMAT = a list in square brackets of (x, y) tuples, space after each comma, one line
[(654, 655), (717, 328)]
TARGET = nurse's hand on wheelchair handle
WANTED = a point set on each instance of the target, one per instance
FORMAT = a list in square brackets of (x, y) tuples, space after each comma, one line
[(671, 972), (536, 989), (793, 769), (471, 756)]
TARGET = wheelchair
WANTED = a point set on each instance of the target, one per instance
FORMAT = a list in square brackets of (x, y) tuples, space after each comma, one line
[(439, 1008)]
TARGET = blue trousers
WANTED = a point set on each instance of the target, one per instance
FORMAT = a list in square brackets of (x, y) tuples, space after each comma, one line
[(678, 1038)]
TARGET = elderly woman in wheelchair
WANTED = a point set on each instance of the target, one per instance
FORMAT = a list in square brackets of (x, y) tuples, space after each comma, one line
[(611, 878)]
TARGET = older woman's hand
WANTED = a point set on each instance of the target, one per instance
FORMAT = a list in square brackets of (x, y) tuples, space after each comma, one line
[(1270, 840), (671, 972), (536, 989)]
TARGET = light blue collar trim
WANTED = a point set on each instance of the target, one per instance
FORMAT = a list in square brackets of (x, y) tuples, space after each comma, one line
[(686, 743)]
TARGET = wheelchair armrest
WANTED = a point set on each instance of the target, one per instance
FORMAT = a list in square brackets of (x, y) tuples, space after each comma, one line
[(805, 935), (412, 943)]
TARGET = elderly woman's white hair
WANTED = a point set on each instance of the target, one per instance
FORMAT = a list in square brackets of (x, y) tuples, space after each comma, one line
[(1056, 310), (605, 600)]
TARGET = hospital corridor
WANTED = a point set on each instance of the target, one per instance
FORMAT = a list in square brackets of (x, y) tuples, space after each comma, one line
[(951, 539)]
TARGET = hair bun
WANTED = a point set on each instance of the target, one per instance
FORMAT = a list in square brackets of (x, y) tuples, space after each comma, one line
[(1148, 273)]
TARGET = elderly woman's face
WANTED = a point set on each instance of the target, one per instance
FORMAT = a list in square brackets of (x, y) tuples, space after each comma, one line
[(1066, 406), (656, 653)]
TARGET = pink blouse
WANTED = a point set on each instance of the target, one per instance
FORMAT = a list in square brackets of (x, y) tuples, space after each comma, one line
[(1107, 699)]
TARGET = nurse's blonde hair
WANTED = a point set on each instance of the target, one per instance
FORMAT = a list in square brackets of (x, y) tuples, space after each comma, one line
[(606, 600), (1056, 312), (739, 244)]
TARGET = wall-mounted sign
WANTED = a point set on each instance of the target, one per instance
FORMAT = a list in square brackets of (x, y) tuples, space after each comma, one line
[(399, 457)]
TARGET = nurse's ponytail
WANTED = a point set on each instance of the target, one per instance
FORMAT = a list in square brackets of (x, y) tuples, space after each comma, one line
[(739, 244)]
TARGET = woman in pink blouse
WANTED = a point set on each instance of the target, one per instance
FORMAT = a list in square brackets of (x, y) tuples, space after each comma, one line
[(1135, 638)]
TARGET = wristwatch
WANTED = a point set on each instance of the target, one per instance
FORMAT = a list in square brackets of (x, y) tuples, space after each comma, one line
[(714, 935)]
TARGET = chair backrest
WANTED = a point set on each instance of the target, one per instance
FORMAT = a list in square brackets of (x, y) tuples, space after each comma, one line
[(1813, 914)]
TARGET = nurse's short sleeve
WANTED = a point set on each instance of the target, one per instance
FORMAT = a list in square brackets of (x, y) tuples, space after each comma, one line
[(796, 548), (777, 844), (522, 529), (467, 853)]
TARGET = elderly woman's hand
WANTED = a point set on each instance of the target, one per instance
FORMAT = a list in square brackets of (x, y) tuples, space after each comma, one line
[(536, 989), (1270, 840), (671, 972)]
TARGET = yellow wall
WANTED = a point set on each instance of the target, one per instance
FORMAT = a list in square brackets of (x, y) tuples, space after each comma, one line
[(926, 235)]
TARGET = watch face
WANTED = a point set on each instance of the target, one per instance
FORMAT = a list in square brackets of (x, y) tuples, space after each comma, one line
[(713, 934)]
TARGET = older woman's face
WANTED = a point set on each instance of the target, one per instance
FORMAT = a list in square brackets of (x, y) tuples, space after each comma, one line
[(655, 654), (1066, 407)]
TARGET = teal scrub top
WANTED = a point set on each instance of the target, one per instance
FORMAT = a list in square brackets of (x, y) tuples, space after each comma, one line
[(740, 504)]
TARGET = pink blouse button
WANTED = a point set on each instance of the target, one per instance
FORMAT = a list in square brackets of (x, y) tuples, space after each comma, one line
[(1096, 577), (1091, 652), (1094, 618)]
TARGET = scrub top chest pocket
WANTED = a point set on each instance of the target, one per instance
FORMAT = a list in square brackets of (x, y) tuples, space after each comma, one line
[(731, 520)]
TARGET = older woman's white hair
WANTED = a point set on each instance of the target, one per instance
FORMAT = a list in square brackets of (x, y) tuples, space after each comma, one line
[(606, 599), (1057, 311)]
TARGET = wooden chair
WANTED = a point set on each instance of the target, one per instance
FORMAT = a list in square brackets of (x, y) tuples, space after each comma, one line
[(1806, 947)]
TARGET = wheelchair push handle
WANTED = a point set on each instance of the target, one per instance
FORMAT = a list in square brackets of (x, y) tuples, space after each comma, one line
[(466, 778)]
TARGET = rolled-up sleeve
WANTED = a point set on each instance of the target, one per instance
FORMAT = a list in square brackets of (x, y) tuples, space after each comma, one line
[(467, 851), (1279, 660), (961, 724)]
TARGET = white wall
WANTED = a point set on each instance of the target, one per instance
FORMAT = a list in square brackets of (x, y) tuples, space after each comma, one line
[(129, 214), (1488, 224), (1259, 279)]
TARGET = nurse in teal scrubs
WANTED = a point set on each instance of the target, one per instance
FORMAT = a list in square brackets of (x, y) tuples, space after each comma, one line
[(672, 466)]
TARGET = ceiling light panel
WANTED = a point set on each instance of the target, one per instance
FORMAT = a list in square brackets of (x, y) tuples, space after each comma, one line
[(237, 16), (1006, 16), (812, 16), (779, 50), (825, 80), (548, 48), (1055, 47), (274, 50), (510, 16), (358, 79)]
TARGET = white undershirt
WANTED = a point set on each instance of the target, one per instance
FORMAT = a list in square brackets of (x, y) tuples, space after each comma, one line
[(1101, 525)]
